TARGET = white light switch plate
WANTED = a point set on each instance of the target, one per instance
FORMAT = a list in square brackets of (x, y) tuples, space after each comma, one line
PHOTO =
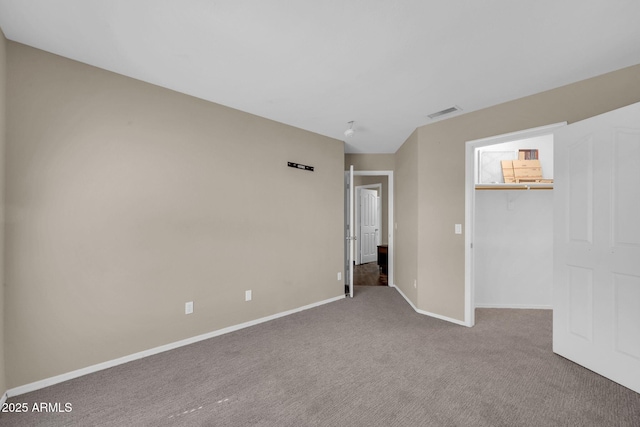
[(458, 228), (247, 295)]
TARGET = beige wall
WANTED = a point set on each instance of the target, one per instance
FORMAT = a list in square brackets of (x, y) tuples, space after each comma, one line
[(370, 162), (405, 216), (3, 85), (126, 200), (441, 171)]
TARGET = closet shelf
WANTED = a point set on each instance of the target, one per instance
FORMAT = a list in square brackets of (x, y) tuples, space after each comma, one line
[(521, 186)]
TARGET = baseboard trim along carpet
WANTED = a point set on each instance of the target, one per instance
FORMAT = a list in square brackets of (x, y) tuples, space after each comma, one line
[(522, 306), (427, 313), (115, 362), (3, 398)]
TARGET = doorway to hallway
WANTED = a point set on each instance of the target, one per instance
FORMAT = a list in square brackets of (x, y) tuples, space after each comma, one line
[(363, 178)]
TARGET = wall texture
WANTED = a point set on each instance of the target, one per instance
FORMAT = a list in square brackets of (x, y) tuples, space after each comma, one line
[(126, 200), (406, 217), (441, 171), (3, 112), (370, 162), (513, 248)]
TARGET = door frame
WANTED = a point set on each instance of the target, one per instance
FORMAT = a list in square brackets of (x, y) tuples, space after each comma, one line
[(349, 195), (357, 216), (471, 162), (390, 209)]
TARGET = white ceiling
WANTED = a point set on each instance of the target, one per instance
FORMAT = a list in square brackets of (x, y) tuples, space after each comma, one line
[(316, 65)]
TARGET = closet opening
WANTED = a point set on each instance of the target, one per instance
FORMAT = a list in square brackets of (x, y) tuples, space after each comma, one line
[(509, 221)]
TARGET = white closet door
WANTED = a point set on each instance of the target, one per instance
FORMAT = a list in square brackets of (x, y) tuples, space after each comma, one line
[(596, 312)]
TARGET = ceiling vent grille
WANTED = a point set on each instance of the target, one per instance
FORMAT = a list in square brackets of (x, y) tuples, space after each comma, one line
[(445, 111)]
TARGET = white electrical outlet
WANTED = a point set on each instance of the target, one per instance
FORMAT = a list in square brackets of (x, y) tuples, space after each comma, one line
[(188, 307), (458, 228), (339, 275), (415, 284), (247, 295)]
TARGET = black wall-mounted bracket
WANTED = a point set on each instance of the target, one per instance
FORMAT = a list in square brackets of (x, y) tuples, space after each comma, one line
[(299, 166)]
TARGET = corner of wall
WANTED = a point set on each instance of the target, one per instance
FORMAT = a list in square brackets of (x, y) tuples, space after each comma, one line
[(441, 172), (3, 132), (406, 218)]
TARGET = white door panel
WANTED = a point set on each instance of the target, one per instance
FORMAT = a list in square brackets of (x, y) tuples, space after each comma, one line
[(368, 225), (596, 320), (350, 232)]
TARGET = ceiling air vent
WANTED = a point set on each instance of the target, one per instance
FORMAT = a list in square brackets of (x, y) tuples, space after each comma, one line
[(445, 111)]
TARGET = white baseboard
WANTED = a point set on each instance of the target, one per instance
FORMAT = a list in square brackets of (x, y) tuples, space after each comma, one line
[(115, 362), (522, 306), (426, 313), (3, 398)]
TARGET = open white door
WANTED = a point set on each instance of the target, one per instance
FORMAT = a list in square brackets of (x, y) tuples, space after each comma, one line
[(596, 308), (369, 225), (350, 234)]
